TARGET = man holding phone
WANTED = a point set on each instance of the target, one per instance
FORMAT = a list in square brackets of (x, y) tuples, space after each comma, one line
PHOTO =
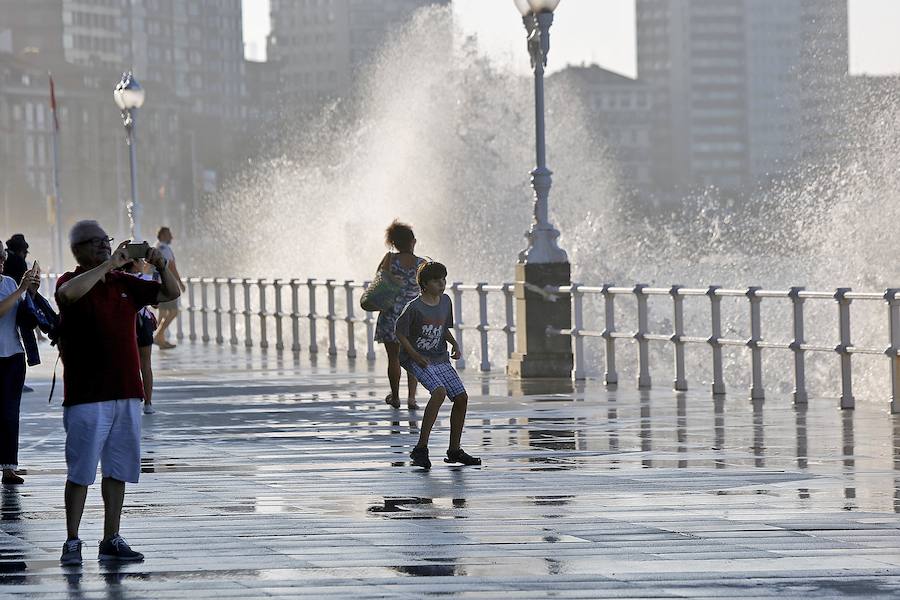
[(103, 389)]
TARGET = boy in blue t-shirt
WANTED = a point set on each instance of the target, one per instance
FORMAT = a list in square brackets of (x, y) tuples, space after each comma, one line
[(423, 329)]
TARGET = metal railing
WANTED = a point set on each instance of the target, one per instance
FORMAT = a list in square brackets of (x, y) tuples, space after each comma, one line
[(322, 312), (845, 349), (306, 314)]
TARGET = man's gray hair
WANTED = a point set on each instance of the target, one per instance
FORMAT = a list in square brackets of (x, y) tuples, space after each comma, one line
[(82, 231)]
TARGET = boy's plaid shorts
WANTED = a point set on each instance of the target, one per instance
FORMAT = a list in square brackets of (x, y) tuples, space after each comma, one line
[(437, 375)]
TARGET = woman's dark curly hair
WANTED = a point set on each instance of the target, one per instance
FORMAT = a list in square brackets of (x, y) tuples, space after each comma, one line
[(400, 236)]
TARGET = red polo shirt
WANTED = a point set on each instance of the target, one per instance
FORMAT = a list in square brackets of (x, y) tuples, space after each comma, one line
[(98, 344)]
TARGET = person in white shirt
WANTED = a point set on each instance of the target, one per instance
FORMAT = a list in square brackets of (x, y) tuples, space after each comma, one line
[(12, 367), (167, 310)]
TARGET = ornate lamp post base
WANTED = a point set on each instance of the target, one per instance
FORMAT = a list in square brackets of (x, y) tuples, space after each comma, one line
[(539, 354)]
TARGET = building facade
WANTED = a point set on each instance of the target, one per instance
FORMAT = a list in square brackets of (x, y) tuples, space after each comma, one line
[(187, 54), (318, 46), (621, 112), (741, 88)]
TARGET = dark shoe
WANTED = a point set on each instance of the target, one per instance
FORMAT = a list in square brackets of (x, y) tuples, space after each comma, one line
[(116, 548), (71, 553), (11, 478), (390, 400), (411, 404), (459, 456), (27, 388), (420, 458)]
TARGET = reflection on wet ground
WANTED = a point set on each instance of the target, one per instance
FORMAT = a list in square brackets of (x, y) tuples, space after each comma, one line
[(267, 477)]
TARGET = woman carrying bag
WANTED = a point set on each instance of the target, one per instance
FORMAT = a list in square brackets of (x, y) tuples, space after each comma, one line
[(394, 287)]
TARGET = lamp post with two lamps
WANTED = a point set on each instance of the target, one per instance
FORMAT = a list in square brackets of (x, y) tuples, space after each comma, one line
[(129, 96), (543, 263)]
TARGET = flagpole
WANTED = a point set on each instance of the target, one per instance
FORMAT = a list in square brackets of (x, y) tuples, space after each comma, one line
[(57, 218)]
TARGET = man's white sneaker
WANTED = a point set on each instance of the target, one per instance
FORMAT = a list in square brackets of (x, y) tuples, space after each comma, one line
[(148, 409)]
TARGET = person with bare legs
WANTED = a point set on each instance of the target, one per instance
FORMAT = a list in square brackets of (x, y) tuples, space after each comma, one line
[(402, 266), (101, 379), (423, 331), (146, 325), (168, 311)]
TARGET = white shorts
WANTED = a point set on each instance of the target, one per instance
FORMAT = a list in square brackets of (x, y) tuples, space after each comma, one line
[(107, 432)]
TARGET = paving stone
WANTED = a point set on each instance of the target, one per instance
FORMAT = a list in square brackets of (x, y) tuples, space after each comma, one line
[(266, 476)]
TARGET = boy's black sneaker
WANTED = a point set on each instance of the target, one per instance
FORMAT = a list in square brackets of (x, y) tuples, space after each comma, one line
[(460, 456), (71, 553), (420, 458), (116, 548)]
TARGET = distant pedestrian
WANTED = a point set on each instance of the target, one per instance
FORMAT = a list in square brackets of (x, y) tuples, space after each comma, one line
[(168, 311), (424, 332), (12, 367), (17, 252), (101, 376), (16, 265), (145, 325), (402, 266)]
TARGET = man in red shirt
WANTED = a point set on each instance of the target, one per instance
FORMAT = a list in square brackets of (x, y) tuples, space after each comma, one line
[(102, 379)]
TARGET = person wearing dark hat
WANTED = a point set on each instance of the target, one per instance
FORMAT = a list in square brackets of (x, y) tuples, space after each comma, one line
[(16, 251), (15, 267)]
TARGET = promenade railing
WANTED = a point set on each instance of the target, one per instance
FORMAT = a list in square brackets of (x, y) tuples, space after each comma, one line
[(315, 315), (324, 315)]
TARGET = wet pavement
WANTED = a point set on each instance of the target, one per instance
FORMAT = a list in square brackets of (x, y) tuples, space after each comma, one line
[(269, 477)]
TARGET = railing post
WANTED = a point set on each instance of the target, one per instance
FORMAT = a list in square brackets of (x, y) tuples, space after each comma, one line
[(800, 395), (715, 305), (892, 352), (577, 329), (640, 336), (279, 315), (458, 322), (263, 333), (680, 383), (757, 390), (370, 331), (611, 377), (483, 326), (191, 309), (204, 310), (179, 324), (332, 331), (313, 344), (295, 315), (350, 318), (843, 348), (217, 290), (509, 294), (232, 311), (248, 315)]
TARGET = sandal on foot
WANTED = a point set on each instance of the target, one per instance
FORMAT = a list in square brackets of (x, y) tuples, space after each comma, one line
[(460, 456), (391, 401)]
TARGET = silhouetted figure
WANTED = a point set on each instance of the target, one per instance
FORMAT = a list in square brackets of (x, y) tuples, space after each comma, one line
[(102, 380), (168, 311), (402, 266)]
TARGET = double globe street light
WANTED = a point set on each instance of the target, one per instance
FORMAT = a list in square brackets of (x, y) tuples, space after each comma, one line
[(129, 96)]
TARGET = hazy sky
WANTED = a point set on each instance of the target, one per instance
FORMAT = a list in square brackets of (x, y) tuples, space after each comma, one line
[(602, 32)]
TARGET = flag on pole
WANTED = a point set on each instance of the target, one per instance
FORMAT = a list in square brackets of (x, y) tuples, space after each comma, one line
[(53, 104)]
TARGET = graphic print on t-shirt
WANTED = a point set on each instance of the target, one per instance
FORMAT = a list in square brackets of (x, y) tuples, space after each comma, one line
[(430, 337)]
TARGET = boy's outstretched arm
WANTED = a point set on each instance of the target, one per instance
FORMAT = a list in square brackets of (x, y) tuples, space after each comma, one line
[(448, 337), (420, 360)]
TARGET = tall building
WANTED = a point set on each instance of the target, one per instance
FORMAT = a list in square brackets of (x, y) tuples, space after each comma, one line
[(318, 46), (188, 55), (742, 88), (621, 111)]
